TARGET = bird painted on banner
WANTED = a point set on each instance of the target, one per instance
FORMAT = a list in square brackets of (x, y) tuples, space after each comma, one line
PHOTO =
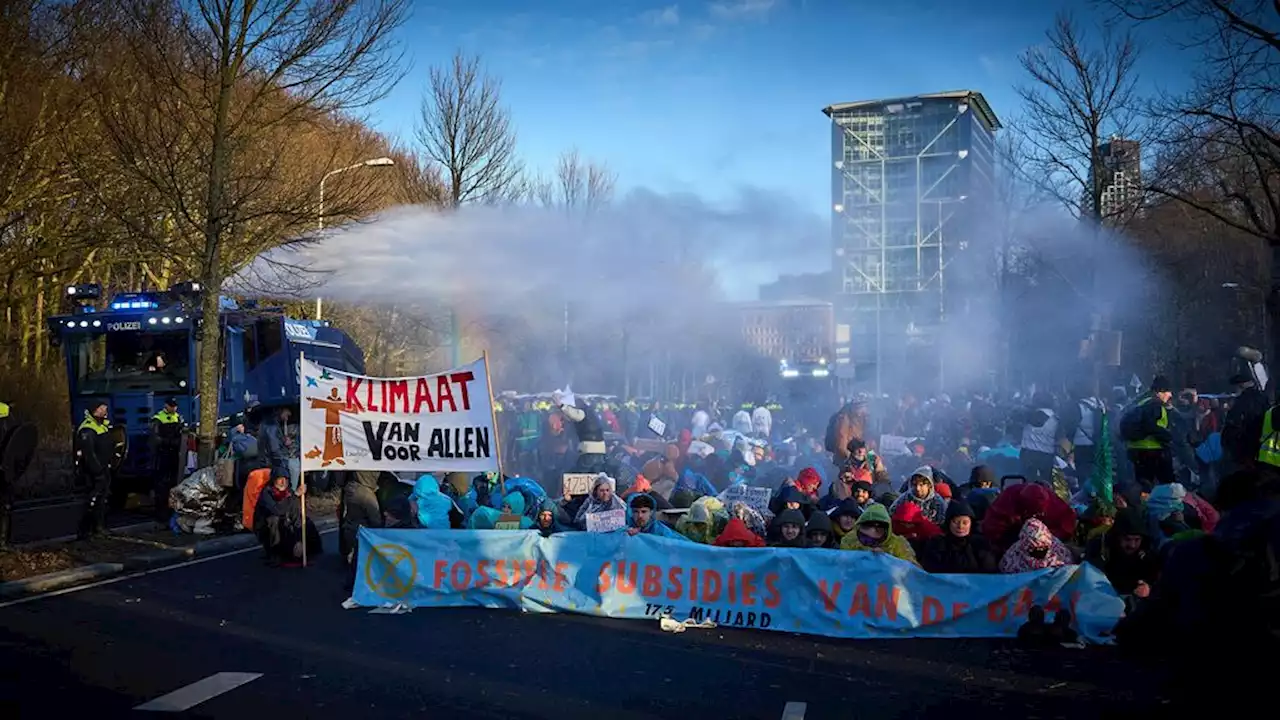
[(311, 382), (324, 374)]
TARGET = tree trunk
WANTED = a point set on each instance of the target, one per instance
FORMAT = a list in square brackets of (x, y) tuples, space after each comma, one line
[(209, 369)]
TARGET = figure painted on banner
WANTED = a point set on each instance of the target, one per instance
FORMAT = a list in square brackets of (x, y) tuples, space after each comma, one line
[(333, 407)]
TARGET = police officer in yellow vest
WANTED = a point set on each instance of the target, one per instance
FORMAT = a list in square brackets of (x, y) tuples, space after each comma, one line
[(166, 457), (95, 449), (1147, 437)]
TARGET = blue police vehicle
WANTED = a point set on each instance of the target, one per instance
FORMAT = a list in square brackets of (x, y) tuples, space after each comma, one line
[(141, 348)]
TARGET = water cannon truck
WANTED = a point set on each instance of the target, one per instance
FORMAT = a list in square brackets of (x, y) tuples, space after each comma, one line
[(141, 348)]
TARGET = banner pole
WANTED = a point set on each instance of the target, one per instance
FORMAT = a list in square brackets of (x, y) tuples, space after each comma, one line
[(302, 428), (493, 414)]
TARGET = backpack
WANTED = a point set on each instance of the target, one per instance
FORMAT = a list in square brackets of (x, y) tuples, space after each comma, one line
[(1131, 428)]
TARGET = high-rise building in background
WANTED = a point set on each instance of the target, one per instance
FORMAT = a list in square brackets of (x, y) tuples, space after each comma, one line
[(912, 185), (1121, 174)]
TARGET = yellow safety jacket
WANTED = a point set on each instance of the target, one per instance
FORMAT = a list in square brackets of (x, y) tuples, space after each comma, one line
[(1150, 443), (1269, 450)]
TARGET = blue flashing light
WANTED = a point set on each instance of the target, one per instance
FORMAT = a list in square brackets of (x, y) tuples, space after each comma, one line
[(135, 305)]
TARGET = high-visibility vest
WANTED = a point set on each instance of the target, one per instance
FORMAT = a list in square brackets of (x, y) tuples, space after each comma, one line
[(4, 410), (1269, 450), (1150, 443), (92, 423), (164, 417)]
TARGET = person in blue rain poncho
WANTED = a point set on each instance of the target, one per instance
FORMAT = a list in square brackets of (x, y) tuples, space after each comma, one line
[(430, 506), (513, 504), (642, 512), (550, 518)]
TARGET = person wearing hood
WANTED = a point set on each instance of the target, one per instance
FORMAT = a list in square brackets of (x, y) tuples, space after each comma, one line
[(1003, 521), (699, 424), (551, 519), (279, 525), (737, 535), (742, 422), (644, 519), (1039, 439), (591, 447), (430, 507), (514, 504), (790, 497), (704, 521), (910, 523), (960, 548), (1125, 553), (809, 482), (603, 498), (762, 423), (873, 532), (790, 529), (1035, 549), (817, 532), (920, 491), (844, 518)]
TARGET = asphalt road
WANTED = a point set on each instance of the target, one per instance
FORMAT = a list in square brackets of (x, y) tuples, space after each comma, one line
[(222, 622), (45, 521)]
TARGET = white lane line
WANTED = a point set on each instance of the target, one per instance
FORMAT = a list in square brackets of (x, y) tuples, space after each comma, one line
[(140, 573), (794, 711), (192, 695)]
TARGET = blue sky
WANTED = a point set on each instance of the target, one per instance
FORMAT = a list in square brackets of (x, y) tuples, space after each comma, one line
[(707, 97)]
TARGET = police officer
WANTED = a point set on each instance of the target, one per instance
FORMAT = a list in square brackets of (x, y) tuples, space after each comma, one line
[(166, 452), (1149, 442), (95, 451)]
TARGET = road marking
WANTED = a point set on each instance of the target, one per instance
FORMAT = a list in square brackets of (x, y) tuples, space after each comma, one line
[(794, 711), (140, 573), (185, 698)]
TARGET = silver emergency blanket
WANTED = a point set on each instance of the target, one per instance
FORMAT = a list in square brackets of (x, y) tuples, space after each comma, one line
[(197, 499)]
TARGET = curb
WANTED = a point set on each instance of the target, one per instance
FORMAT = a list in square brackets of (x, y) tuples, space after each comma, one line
[(50, 582), (62, 579)]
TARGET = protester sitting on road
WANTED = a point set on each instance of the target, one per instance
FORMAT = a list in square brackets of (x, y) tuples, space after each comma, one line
[(551, 519), (601, 499), (873, 532), (737, 535), (279, 527), (644, 519), (920, 491), (1126, 554), (845, 518), (817, 532), (910, 523), (790, 528), (1035, 549), (960, 548)]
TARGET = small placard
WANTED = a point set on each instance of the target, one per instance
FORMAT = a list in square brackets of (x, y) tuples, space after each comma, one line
[(574, 484), (658, 427), (507, 522), (607, 521), (756, 498)]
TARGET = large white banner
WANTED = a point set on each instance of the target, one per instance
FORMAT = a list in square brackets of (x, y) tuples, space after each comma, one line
[(420, 424)]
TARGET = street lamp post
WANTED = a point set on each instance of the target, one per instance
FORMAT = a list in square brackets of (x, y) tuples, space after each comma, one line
[(375, 162)]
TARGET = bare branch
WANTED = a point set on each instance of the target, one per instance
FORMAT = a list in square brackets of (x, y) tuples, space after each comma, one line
[(467, 133)]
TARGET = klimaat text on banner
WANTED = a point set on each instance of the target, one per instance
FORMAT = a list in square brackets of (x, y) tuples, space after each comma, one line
[(431, 423)]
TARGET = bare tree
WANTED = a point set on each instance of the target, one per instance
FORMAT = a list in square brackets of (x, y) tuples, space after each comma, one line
[(1077, 97), (206, 105), (578, 186), (465, 130), (1220, 151)]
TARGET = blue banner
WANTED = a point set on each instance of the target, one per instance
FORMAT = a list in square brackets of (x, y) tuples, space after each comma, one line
[(835, 593)]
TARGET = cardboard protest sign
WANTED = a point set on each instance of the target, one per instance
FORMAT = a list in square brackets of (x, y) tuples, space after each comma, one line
[(658, 427), (756, 498), (441, 422), (573, 484), (507, 522), (607, 521), (894, 445)]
